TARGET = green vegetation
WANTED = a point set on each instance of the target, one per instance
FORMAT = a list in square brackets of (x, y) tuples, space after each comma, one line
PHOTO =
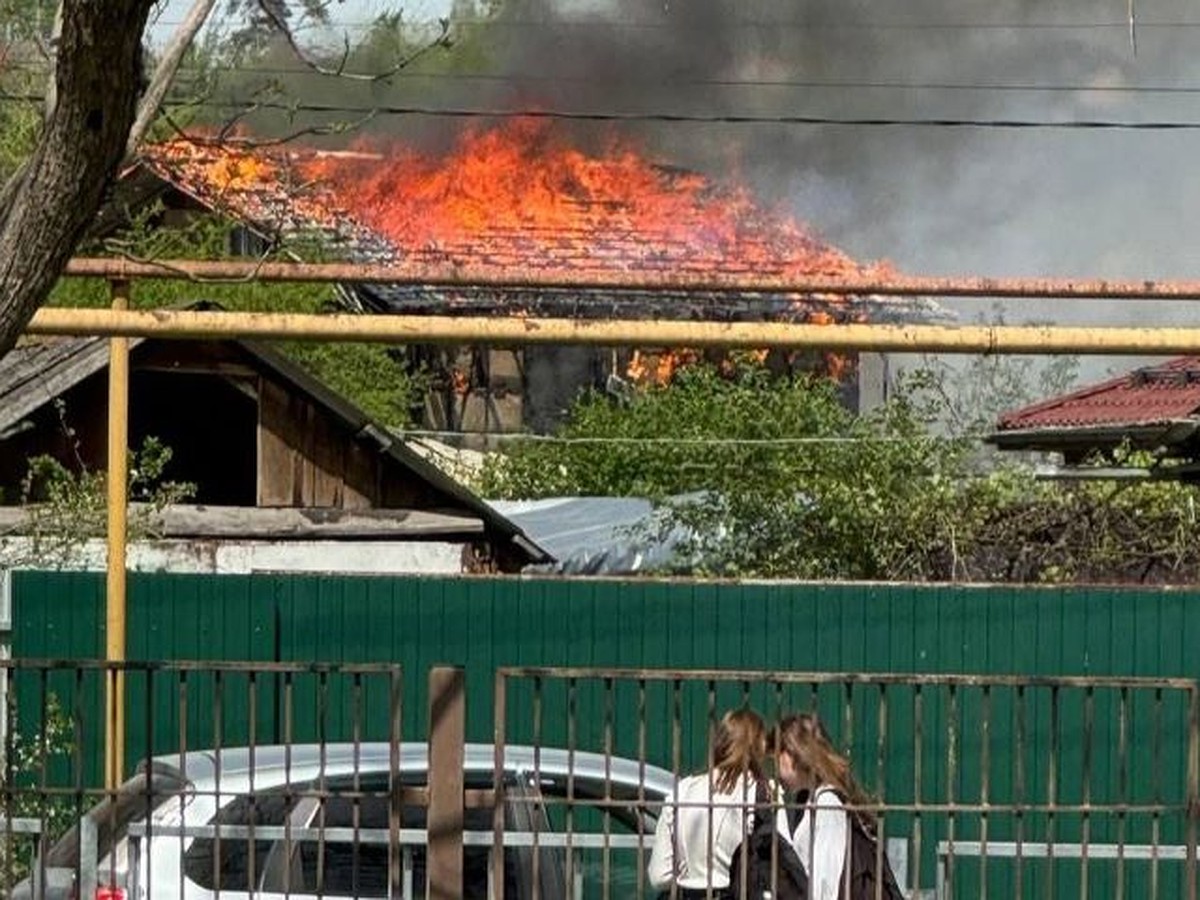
[(371, 375), (773, 478), (66, 504), (47, 742)]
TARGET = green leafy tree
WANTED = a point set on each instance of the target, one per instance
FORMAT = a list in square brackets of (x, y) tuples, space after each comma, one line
[(971, 393), (773, 477), (373, 376), (784, 481), (34, 748), (65, 502)]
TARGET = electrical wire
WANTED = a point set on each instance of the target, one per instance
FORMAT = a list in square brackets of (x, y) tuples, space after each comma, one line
[(522, 437), (684, 118), (759, 24), (517, 78)]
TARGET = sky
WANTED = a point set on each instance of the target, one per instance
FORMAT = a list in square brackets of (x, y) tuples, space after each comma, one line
[(934, 200)]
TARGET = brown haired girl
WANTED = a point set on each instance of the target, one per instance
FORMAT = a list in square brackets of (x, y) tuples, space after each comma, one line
[(686, 854), (809, 764)]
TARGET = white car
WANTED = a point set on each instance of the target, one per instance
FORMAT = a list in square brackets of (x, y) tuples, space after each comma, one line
[(237, 823)]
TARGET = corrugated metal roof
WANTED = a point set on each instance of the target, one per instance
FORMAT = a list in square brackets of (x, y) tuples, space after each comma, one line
[(1152, 395)]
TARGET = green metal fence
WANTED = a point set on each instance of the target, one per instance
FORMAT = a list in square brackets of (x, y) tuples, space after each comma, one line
[(487, 624), (483, 624)]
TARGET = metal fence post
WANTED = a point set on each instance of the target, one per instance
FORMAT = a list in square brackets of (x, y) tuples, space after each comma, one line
[(118, 525), (447, 730), (1193, 787), (499, 743), (89, 862)]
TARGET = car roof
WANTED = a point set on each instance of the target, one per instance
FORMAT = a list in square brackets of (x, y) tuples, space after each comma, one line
[(280, 763)]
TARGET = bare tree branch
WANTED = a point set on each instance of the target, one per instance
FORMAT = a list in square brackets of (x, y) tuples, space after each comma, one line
[(226, 138), (50, 53), (273, 14), (164, 74)]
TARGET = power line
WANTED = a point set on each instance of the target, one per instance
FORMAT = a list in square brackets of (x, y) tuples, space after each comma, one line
[(732, 119), (760, 24), (685, 118), (521, 437), (757, 83), (807, 84)]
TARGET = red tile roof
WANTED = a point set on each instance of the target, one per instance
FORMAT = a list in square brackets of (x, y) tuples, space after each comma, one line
[(483, 205), (1147, 396), (489, 205)]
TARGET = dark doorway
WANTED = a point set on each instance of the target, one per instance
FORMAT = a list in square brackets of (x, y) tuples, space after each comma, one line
[(211, 426)]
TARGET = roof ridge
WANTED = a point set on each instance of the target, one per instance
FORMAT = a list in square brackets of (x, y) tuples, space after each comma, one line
[(1082, 393)]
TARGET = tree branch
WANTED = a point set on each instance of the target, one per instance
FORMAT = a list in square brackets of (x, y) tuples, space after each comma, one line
[(53, 199), (280, 24), (164, 74)]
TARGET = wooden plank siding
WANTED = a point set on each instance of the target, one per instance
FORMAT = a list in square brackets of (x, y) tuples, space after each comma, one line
[(307, 460)]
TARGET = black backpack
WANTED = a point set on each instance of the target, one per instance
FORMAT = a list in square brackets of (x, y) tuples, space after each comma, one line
[(863, 874), (765, 852)]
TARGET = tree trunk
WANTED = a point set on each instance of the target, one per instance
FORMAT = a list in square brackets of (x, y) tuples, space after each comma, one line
[(54, 197)]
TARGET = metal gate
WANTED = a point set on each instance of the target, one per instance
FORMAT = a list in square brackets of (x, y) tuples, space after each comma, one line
[(296, 779), (982, 785)]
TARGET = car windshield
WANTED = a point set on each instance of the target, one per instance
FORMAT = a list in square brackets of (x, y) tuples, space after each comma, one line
[(145, 792)]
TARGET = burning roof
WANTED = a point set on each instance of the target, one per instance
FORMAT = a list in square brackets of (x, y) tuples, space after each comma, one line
[(519, 197)]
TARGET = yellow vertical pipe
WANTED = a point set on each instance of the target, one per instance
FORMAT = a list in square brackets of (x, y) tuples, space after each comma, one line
[(118, 505)]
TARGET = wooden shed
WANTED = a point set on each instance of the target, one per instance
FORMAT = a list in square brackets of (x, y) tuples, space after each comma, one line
[(252, 431)]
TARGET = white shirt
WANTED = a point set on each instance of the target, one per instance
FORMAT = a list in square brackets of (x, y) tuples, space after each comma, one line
[(681, 852), (823, 852)]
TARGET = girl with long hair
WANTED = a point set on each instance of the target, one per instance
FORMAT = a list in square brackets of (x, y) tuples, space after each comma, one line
[(808, 764), (698, 831)]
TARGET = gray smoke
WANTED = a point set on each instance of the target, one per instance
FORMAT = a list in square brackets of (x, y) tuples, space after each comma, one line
[(933, 200)]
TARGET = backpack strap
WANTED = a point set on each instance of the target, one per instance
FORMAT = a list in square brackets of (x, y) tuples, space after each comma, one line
[(762, 796)]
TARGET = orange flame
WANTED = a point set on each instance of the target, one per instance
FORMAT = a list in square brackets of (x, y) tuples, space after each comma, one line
[(519, 195), (658, 367)]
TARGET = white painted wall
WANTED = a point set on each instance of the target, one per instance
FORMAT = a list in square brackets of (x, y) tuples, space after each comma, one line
[(244, 557)]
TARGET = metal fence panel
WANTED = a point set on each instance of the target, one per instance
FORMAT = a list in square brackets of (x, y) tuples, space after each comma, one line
[(487, 622), (223, 746), (986, 785)]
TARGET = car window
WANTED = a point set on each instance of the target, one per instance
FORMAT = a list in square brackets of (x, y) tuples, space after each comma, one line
[(349, 869), (233, 863), (345, 868), (627, 822)]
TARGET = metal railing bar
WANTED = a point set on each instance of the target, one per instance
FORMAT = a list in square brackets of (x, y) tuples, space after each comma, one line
[(843, 678), (346, 834), (181, 665), (21, 825), (1060, 850)]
